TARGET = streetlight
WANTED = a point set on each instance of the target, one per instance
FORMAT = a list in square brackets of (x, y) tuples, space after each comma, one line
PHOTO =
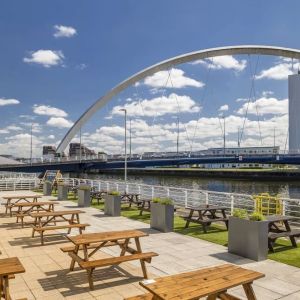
[(125, 127), (31, 144)]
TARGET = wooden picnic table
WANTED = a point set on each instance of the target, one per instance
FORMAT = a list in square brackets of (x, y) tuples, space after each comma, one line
[(26, 198), (90, 243), (25, 208), (276, 230), (42, 221), (210, 282), (206, 214), (98, 195), (8, 266), (145, 205), (131, 198)]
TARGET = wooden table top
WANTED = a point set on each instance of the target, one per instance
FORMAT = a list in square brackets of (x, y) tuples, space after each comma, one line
[(278, 218), (89, 238), (200, 283), (205, 207), (9, 266), (56, 213), (21, 197), (22, 204)]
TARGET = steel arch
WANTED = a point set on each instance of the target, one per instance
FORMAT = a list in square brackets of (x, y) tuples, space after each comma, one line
[(202, 54)]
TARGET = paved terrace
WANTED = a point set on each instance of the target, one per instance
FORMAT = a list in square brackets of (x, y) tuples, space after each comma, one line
[(47, 275)]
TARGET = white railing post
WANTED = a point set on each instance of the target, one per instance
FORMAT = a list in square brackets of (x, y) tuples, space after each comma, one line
[(126, 188), (283, 207), (139, 188), (107, 186), (152, 192), (206, 199), (231, 204), (185, 198), (168, 192)]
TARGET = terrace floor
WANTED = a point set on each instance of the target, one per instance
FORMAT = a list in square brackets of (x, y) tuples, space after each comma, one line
[(47, 274)]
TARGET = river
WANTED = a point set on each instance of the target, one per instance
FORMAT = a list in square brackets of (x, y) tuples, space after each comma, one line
[(283, 188)]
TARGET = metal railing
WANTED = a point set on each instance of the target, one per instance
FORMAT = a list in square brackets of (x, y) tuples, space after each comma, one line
[(14, 184), (183, 197)]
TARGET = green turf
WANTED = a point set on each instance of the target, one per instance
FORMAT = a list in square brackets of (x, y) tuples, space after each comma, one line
[(284, 252)]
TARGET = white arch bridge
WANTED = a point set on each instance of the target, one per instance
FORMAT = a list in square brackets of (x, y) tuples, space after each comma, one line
[(202, 54)]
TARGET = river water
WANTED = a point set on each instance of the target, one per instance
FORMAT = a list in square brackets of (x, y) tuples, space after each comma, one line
[(290, 189)]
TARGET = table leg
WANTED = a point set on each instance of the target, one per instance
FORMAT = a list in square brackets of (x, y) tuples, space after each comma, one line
[(189, 218), (292, 238), (72, 265), (6, 288), (139, 250), (125, 245), (1, 287), (71, 222), (212, 297), (226, 296), (249, 291)]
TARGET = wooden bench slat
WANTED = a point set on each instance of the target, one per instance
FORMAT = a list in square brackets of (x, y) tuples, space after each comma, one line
[(116, 260), (59, 227), (275, 235), (147, 296)]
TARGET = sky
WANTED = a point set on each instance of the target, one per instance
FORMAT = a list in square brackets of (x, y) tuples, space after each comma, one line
[(58, 57)]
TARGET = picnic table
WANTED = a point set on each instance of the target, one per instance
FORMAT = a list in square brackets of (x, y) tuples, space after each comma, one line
[(212, 283), (17, 198), (131, 198), (25, 208), (276, 230), (42, 221), (90, 243), (145, 205), (8, 267), (98, 195), (206, 214)]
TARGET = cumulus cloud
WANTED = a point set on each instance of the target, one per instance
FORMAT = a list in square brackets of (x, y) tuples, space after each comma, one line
[(173, 79), (159, 106), (51, 137), (64, 31), (4, 102), (278, 72), (59, 122), (46, 58), (265, 106), (223, 62), (47, 110), (224, 107)]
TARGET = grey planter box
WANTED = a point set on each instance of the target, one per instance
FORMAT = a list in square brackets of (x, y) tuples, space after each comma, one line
[(62, 192), (162, 217), (248, 238), (112, 205), (84, 198), (47, 188)]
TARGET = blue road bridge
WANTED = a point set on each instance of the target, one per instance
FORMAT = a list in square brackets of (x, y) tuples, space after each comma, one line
[(96, 164)]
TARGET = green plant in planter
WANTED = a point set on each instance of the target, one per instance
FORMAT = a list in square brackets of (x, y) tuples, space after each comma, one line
[(256, 216), (114, 193), (163, 201), (84, 187), (240, 213)]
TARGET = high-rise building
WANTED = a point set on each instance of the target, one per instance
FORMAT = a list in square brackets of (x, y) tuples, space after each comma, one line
[(76, 148)]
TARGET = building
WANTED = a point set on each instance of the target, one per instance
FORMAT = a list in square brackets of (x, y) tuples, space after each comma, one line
[(49, 152), (77, 149), (294, 109)]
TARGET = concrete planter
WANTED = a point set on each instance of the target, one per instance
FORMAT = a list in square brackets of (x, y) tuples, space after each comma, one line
[(162, 217), (248, 238), (112, 205), (47, 188), (62, 192), (84, 198)]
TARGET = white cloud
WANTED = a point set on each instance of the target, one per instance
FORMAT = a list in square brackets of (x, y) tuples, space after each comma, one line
[(47, 110), (265, 106), (177, 79), (14, 128), (51, 137), (224, 107), (241, 100), (159, 106), (223, 62), (59, 122), (64, 31), (4, 101), (46, 58), (278, 72)]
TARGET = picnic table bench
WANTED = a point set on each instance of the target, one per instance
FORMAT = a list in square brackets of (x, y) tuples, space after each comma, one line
[(43, 219), (210, 282), (17, 198), (278, 231), (25, 208), (207, 214), (98, 195), (95, 241), (8, 268), (145, 205)]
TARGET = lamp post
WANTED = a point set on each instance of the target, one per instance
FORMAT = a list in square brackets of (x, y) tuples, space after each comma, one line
[(125, 137), (31, 144)]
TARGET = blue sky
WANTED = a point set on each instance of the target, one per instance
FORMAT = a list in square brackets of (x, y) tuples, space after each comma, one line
[(58, 57)]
